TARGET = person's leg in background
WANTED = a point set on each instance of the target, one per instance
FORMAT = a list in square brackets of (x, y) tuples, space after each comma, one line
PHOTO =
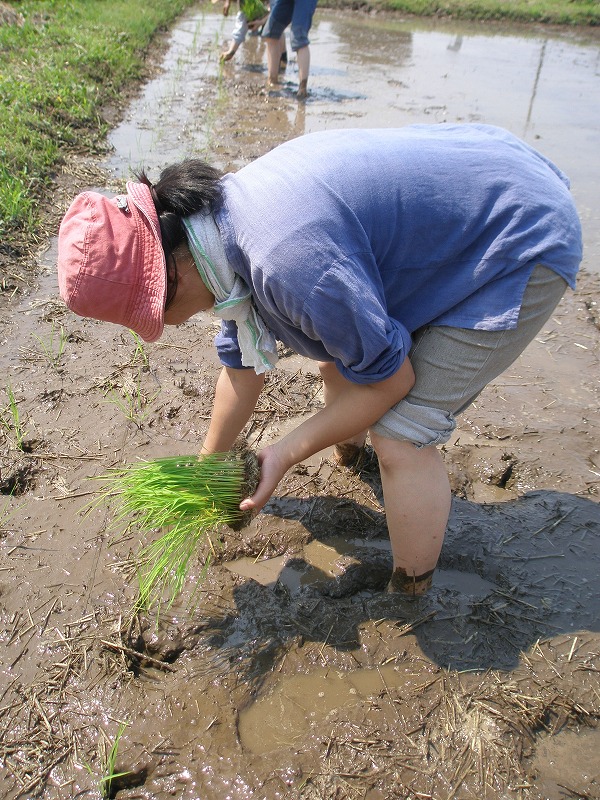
[(303, 58), (279, 18), (301, 24)]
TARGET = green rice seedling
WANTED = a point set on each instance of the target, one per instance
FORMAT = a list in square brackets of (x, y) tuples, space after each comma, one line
[(187, 497), (109, 760), (132, 401), (109, 774), (139, 352), (6, 514), (52, 348), (254, 9), (10, 419)]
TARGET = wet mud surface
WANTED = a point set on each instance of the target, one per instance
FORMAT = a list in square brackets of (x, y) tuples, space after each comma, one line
[(293, 674)]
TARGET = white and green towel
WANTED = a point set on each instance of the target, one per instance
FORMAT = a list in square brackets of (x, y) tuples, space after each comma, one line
[(233, 299)]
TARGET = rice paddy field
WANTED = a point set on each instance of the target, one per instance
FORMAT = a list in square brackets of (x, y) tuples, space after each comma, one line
[(281, 669)]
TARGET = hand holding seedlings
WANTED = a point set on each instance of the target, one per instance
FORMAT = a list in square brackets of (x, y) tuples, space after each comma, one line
[(272, 469)]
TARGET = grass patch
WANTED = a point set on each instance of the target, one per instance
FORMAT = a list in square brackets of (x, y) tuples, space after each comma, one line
[(59, 67), (10, 420), (558, 12)]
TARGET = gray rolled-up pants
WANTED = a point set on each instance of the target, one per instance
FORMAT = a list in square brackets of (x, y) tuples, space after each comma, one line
[(453, 365)]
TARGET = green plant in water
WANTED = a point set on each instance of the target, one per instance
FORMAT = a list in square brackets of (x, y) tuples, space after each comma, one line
[(109, 760), (53, 347), (132, 402), (10, 419), (6, 514), (109, 774), (187, 497), (139, 352)]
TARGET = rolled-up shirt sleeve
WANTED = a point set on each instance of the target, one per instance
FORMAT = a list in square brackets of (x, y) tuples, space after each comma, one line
[(228, 349), (342, 317)]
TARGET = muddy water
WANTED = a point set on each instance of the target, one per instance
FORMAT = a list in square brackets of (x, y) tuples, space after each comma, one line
[(295, 676), (541, 83)]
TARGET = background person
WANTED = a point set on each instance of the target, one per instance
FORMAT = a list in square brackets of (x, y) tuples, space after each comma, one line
[(413, 264), (251, 16), (298, 14)]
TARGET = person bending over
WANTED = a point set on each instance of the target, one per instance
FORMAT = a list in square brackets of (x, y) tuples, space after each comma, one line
[(413, 264)]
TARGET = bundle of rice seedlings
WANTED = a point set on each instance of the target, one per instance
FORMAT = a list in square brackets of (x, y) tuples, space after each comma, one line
[(188, 497), (254, 9)]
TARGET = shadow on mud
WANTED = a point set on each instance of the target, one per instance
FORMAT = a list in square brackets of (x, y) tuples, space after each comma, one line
[(510, 575)]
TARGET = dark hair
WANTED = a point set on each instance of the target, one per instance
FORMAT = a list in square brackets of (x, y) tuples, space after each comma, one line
[(182, 189)]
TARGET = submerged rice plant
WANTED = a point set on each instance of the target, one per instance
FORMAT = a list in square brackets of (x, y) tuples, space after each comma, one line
[(186, 496)]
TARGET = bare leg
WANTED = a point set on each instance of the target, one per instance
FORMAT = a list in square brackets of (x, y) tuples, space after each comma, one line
[(273, 57), (347, 453), (303, 57), (282, 53), (417, 498)]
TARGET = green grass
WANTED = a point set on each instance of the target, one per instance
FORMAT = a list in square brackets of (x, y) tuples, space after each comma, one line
[(109, 771), (132, 401), (6, 514), (10, 419), (109, 760), (52, 348), (58, 70), (560, 12)]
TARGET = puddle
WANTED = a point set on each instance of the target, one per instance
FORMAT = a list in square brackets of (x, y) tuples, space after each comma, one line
[(467, 584), (170, 119), (281, 718), (321, 562), (567, 765), (265, 572), (318, 561)]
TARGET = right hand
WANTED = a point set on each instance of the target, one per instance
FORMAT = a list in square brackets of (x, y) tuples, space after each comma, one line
[(272, 470)]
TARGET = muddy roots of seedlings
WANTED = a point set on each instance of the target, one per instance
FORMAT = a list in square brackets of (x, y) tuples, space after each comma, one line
[(251, 477)]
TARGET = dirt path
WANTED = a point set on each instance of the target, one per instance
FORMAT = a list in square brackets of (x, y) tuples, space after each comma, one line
[(294, 676)]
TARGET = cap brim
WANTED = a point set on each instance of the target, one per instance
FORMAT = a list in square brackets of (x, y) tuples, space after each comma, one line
[(148, 316)]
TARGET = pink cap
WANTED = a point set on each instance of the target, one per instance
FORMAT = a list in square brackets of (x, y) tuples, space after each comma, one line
[(111, 263)]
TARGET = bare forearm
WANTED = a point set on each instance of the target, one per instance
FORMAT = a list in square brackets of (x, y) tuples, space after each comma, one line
[(236, 394), (351, 411)]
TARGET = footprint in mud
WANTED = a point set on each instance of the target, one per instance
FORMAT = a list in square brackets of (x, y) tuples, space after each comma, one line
[(18, 478), (159, 643)]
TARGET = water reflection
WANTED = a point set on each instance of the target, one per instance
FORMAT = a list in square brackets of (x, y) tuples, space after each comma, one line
[(372, 44)]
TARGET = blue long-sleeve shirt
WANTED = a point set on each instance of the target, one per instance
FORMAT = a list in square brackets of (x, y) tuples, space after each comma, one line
[(350, 240)]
